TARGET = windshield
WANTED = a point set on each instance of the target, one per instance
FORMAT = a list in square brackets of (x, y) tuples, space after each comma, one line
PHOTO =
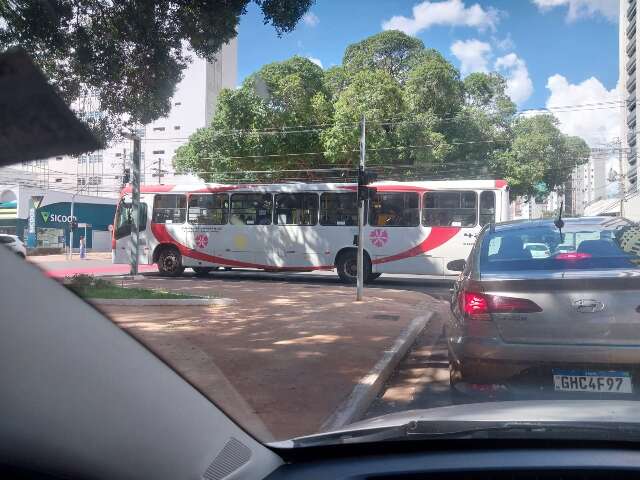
[(322, 213)]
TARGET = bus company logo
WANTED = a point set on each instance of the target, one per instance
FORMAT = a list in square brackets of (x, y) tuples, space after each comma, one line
[(379, 237), (202, 240), (57, 218)]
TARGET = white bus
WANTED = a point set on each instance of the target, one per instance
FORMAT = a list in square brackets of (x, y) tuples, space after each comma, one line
[(411, 227)]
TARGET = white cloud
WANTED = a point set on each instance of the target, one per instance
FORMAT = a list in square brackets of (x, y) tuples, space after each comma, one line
[(596, 126), (583, 8), (310, 19), (473, 55), (514, 69), (505, 43), (448, 12), (317, 61)]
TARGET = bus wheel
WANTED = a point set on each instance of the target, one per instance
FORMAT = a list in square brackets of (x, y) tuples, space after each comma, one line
[(373, 276), (202, 271), (170, 262), (347, 266)]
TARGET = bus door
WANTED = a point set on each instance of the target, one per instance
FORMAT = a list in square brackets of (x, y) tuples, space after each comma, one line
[(122, 243), (296, 241), (248, 235), (393, 234), (170, 213)]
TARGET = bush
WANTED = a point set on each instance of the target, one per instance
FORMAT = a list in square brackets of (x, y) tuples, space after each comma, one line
[(82, 280)]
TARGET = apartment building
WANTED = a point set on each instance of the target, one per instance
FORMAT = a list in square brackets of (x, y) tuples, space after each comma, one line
[(628, 52)]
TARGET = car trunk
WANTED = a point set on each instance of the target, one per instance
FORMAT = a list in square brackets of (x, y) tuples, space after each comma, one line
[(578, 307)]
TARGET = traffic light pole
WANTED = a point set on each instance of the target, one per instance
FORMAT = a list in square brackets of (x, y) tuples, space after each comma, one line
[(361, 200)]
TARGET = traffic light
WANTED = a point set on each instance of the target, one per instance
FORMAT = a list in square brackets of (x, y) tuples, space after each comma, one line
[(126, 177), (365, 178)]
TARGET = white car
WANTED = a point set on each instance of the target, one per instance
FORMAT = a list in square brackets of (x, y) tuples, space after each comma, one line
[(14, 244), (538, 250)]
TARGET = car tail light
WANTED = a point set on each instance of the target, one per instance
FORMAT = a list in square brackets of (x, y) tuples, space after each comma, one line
[(572, 256), (478, 306)]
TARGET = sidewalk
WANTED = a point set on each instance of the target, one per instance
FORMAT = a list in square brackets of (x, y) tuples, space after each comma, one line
[(289, 354), (64, 258)]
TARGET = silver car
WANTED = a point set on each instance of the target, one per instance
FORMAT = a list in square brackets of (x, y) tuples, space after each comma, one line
[(13, 243), (566, 325)]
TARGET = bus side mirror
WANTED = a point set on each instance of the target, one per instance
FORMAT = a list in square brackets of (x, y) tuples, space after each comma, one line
[(456, 265)]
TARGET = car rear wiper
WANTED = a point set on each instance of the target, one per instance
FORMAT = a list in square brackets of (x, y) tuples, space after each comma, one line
[(430, 430)]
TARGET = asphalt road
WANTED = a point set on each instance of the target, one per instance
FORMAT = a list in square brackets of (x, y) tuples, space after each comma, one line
[(437, 288)]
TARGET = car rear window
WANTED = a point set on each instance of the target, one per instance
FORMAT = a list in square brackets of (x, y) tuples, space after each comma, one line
[(577, 247)]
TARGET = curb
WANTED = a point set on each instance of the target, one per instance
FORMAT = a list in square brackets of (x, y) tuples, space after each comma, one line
[(369, 386), (162, 301)]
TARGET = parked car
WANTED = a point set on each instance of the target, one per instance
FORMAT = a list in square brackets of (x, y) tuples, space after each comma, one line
[(13, 243), (566, 325)]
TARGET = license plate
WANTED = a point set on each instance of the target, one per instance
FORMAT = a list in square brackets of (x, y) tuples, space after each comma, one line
[(592, 381)]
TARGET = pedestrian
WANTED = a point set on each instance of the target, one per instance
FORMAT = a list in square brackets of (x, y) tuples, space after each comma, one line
[(83, 249)]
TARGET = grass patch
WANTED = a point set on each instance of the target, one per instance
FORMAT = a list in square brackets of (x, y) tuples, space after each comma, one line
[(88, 286)]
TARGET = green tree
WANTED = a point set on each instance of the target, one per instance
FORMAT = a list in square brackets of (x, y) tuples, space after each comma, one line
[(127, 54), (539, 153), (251, 127), (390, 51)]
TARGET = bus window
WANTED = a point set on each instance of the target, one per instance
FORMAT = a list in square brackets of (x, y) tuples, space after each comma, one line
[(394, 210), (209, 209), (487, 207), (339, 209), (169, 209), (450, 209), (296, 208), (251, 208), (124, 219)]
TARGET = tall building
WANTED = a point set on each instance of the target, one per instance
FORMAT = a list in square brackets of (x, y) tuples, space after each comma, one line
[(628, 52), (100, 173)]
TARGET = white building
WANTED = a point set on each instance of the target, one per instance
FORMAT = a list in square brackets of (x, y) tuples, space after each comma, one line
[(628, 48), (192, 107)]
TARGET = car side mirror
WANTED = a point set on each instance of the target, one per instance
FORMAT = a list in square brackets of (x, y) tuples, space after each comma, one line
[(456, 265)]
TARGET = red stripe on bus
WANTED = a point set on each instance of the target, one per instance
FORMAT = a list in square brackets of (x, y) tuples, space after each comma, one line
[(163, 236), (437, 237)]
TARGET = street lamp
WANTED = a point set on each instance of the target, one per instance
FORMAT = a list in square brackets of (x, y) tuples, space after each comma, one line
[(621, 178)]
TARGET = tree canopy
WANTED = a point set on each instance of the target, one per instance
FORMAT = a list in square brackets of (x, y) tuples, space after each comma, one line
[(125, 57), (421, 118)]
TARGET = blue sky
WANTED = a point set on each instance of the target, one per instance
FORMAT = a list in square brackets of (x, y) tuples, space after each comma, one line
[(570, 45)]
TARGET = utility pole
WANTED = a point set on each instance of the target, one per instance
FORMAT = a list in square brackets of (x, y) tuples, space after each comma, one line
[(159, 171), (135, 202), (361, 203)]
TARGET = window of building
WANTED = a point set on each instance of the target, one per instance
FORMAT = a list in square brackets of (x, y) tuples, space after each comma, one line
[(177, 104), (169, 209), (58, 158), (209, 209), (158, 152), (58, 180), (251, 208), (176, 127), (487, 207), (296, 209), (158, 129), (118, 154), (339, 209), (95, 180), (450, 209), (395, 210), (82, 181)]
